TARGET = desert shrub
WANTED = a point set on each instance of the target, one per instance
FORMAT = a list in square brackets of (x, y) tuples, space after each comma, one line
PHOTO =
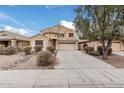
[(100, 50), (95, 53), (84, 45), (9, 50), (90, 52), (45, 58), (20, 49), (51, 49), (2, 47), (27, 50), (88, 49), (38, 48)]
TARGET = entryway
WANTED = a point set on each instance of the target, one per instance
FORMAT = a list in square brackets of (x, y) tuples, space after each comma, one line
[(5, 43)]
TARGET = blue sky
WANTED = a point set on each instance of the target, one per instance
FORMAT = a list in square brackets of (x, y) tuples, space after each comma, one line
[(29, 20)]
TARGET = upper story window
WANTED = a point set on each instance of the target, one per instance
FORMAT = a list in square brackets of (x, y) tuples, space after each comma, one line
[(38, 42), (71, 34), (61, 35)]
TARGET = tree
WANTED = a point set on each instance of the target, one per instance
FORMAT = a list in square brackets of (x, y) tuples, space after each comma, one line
[(105, 22), (81, 24)]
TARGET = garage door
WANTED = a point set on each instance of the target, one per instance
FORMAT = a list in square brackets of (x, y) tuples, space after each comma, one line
[(116, 46), (67, 46)]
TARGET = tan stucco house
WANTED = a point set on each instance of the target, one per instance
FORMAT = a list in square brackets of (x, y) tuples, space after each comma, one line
[(8, 38), (60, 37), (117, 45)]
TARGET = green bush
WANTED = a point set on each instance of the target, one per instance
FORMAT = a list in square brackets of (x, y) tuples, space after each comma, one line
[(27, 50), (38, 48), (100, 50), (9, 50), (45, 58), (88, 49)]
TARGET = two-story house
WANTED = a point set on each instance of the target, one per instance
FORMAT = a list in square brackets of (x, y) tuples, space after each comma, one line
[(60, 37)]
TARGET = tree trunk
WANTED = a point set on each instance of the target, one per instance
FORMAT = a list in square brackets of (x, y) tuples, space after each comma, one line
[(105, 54), (103, 49), (106, 49)]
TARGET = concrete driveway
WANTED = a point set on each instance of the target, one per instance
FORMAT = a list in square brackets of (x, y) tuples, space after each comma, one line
[(120, 53), (75, 70), (79, 60)]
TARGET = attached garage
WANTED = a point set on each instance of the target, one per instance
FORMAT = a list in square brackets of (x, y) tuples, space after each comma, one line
[(67, 45), (116, 45)]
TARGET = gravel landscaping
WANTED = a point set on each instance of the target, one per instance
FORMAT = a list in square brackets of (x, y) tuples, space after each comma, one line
[(20, 61), (115, 60)]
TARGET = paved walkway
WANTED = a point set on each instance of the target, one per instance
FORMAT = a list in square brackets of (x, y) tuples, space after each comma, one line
[(76, 70)]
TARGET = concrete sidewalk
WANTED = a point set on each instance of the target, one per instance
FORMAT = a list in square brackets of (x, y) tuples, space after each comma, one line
[(62, 78)]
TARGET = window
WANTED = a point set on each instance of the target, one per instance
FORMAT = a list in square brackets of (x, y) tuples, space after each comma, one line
[(71, 34), (38, 42), (61, 35)]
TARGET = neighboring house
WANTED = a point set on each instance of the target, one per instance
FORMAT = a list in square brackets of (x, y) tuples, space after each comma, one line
[(117, 45), (12, 39), (60, 37)]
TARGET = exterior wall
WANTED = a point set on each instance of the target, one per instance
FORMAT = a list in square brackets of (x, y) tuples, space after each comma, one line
[(21, 44), (80, 46), (122, 45), (9, 43), (51, 35), (61, 29), (76, 45), (13, 43), (57, 44), (116, 45), (38, 37), (66, 36)]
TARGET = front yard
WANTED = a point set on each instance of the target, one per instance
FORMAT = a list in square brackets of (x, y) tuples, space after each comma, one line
[(20, 61), (64, 60), (115, 60)]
